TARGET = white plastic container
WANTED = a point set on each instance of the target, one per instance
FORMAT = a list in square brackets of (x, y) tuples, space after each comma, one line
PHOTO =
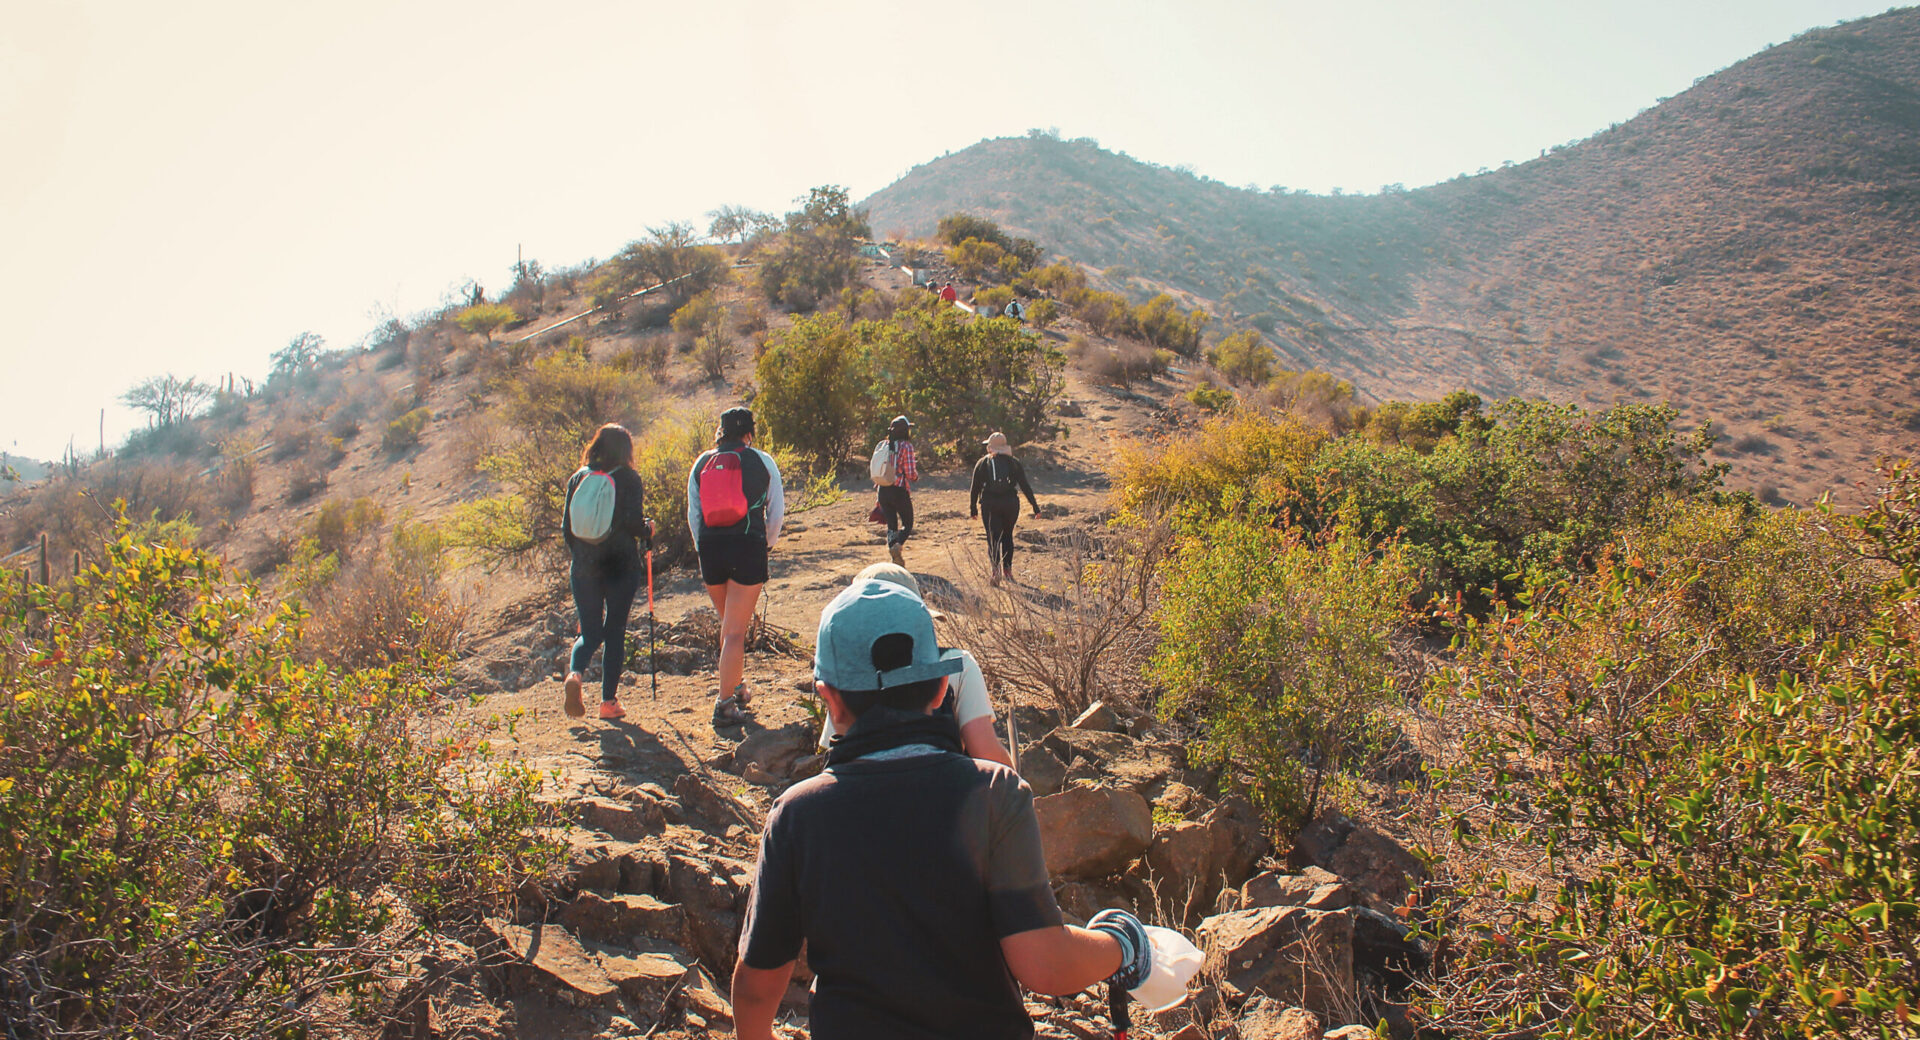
[(1175, 962)]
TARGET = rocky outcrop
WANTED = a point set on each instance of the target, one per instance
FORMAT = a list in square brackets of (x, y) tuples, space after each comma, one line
[(1301, 957), (1264, 1018), (1090, 832), (1374, 863)]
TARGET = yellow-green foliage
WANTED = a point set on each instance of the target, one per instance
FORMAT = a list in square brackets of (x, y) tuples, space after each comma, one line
[(1243, 357), (813, 389), (1162, 324), (1727, 855), (1211, 471), (1208, 397), (486, 318), (1279, 640), (199, 828), (704, 315), (404, 432)]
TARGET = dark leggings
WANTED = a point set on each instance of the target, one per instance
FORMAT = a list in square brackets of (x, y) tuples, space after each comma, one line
[(999, 519), (897, 503), (603, 595)]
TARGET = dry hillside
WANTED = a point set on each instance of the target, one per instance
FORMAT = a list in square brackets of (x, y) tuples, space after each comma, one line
[(1742, 250)]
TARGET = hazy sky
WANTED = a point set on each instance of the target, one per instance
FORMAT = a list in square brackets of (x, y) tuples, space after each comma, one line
[(190, 184)]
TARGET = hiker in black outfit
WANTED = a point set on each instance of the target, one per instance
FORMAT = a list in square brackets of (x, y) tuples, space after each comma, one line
[(998, 481), (606, 574)]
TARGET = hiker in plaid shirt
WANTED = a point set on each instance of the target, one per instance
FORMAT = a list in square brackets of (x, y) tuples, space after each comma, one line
[(896, 501)]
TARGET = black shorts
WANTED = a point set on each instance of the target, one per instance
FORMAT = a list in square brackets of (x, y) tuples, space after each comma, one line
[(742, 561)]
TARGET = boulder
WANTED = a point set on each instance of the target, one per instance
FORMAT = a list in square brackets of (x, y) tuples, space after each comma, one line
[(620, 919), (1349, 1033), (1385, 949), (644, 978), (1264, 1018), (712, 901), (1239, 837), (1042, 770), (548, 958), (1313, 888), (1180, 863), (1091, 832), (775, 750), (1379, 867), (1299, 956), (1091, 745), (619, 818), (1099, 718)]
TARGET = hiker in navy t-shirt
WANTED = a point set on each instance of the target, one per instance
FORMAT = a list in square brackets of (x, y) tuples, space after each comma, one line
[(605, 574), (913, 875), (734, 479), (998, 481)]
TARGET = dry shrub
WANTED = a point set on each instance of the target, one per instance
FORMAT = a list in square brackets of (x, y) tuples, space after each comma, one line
[(1087, 642), (388, 607)]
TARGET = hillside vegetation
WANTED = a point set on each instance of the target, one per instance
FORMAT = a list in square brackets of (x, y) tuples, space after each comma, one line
[(1740, 250)]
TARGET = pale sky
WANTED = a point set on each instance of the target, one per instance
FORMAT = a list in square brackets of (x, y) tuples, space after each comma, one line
[(191, 184)]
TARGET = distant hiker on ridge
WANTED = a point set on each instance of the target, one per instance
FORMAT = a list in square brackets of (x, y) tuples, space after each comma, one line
[(604, 522), (894, 469), (969, 706), (735, 506), (947, 295), (998, 481)]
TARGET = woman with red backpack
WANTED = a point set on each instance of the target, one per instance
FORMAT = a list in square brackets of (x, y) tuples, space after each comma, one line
[(604, 521), (735, 506)]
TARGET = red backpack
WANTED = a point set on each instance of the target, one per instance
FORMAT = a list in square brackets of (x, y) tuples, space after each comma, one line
[(723, 496)]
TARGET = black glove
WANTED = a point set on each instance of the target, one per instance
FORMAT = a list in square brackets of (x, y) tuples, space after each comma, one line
[(1136, 952)]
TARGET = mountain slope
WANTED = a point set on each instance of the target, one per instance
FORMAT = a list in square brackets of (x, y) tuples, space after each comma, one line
[(1741, 249)]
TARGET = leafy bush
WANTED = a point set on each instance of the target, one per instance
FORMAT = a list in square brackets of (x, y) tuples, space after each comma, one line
[(957, 229), (714, 355), (404, 432), (813, 389), (814, 257), (1280, 641), (1208, 397), (484, 319), (1161, 324), (205, 838), (959, 377), (704, 315), (1244, 357), (1209, 473), (1041, 314), (1724, 853)]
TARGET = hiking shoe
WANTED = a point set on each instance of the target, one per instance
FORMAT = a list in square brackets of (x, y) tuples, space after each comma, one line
[(741, 695), (727, 712), (576, 708), (611, 710), (899, 558)]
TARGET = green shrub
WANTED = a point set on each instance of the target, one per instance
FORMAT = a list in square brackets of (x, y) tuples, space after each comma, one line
[(1725, 854), (1161, 324), (956, 229), (1279, 641), (704, 315), (959, 378), (485, 319), (404, 432), (205, 838), (1243, 357), (813, 389), (1209, 473), (1208, 397), (995, 298), (813, 257), (1041, 314)]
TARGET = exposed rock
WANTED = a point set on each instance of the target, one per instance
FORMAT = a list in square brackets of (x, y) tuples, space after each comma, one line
[(712, 900), (757, 776), (1181, 863), (1313, 888), (1299, 956), (547, 957), (1189, 1032), (700, 996), (1239, 836), (807, 767), (1349, 1033), (1080, 900), (621, 819), (1383, 948), (1099, 718), (1178, 798), (1378, 866), (708, 801), (1033, 721), (595, 862), (644, 978), (1264, 1018), (1042, 770), (621, 918), (775, 750), (1091, 832), (1095, 746)]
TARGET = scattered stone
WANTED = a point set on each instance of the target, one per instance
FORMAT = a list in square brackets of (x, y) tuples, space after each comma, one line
[(644, 978), (1349, 1033), (1091, 832), (1181, 864), (1311, 885), (548, 958), (1299, 956), (1099, 718), (807, 767), (774, 750), (1096, 746), (753, 774), (1042, 770), (620, 819), (620, 918), (708, 801), (1264, 1018), (699, 996), (1178, 798)]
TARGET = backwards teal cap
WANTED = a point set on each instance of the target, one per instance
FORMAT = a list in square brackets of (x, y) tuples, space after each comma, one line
[(856, 619)]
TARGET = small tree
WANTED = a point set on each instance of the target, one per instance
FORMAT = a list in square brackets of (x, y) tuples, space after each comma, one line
[(1243, 358), (486, 318), (298, 360), (167, 399), (813, 389)]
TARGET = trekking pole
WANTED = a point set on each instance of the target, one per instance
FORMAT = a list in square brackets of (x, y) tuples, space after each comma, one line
[(1117, 1010), (653, 661)]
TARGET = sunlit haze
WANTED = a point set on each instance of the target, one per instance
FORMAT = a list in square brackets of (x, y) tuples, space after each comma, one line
[(189, 185)]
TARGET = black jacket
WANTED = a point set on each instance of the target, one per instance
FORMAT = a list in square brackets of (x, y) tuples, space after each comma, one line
[(629, 535), (1008, 469)]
